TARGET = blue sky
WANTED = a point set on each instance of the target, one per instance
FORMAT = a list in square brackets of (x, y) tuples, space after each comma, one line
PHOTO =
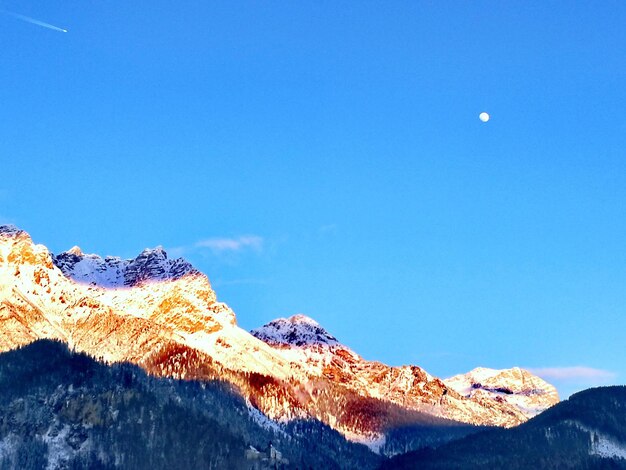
[(327, 158)]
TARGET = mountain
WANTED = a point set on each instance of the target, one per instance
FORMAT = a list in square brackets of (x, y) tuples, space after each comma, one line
[(299, 331), (507, 398), (587, 431), (163, 315), (529, 393), (114, 272), (62, 409)]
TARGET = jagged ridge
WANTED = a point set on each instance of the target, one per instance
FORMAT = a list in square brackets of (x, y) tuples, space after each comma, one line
[(111, 271), (297, 330), (302, 371)]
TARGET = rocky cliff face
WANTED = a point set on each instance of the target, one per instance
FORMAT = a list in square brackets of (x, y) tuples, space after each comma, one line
[(150, 266), (529, 393), (60, 409), (504, 398), (163, 315)]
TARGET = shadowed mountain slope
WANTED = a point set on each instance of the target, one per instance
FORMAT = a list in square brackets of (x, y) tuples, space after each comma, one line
[(587, 431), (164, 316), (65, 410)]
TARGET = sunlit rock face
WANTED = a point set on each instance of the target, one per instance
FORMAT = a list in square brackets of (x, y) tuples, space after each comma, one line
[(163, 315), (151, 265), (296, 331), (529, 393), (509, 398), (146, 301)]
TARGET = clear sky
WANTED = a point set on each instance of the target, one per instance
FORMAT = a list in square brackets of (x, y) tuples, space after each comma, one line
[(327, 158)]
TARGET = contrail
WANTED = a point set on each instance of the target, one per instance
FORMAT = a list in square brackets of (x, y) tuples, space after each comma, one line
[(28, 19)]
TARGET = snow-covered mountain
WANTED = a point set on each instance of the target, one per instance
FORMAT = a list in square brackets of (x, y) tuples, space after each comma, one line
[(503, 398), (113, 272), (163, 315), (298, 330), (516, 386)]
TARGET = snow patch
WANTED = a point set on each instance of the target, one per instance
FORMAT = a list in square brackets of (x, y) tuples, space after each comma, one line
[(605, 447), (58, 449), (262, 420), (10, 229), (375, 442), (601, 444), (152, 264), (8, 446), (527, 392), (297, 330)]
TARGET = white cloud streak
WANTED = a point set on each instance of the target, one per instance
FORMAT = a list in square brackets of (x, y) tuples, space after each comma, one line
[(575, 374), (221, 245), (34, 21)]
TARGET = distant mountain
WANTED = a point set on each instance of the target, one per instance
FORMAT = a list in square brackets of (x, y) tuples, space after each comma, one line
[(297, 331), (526, 391), (151, 265), (587, 431), (507, 397), (163, 315)]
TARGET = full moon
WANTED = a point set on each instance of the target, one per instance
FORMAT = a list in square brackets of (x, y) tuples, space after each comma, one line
[(484, 117)]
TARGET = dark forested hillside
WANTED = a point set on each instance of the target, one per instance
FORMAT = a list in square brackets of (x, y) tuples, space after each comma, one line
[(586, 431), (62, 408)]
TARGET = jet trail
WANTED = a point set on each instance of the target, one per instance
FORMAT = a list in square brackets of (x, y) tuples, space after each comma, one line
[(30, 20)]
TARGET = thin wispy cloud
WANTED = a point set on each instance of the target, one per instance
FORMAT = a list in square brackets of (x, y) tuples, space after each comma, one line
[(231, 244), (34, 21), (580, 374), (221, 246)]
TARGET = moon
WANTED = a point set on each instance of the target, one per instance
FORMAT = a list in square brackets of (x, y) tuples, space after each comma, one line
[(484, 117)]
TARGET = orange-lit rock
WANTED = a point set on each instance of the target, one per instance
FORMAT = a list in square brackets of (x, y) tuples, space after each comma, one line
[(163, 315)]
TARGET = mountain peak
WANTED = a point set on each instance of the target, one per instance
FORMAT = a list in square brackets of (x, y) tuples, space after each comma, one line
[(298, 330), (485, 375), (156, 251), (75, 250), (300, 318), (168, 320), (10, 230), (152, 264), (515, 385)]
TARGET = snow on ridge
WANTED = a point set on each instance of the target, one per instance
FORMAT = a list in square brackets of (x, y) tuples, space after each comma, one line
[(10, 230), (297, 330), (113, 272), (75, 250), (487, 377), (300, 318), (374, 441), (92, 269), (295, 348), (259, 418), (528, 393)]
